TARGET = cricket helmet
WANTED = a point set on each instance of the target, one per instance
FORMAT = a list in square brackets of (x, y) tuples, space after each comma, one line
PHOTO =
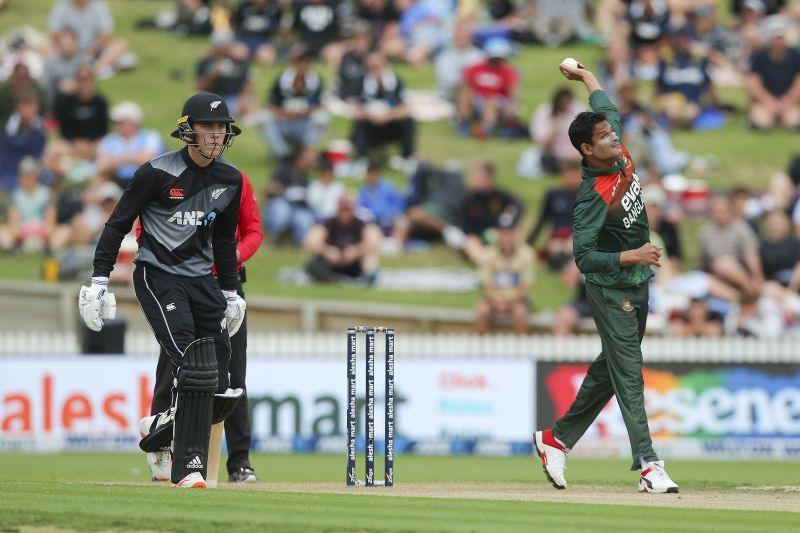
[(204, 107)]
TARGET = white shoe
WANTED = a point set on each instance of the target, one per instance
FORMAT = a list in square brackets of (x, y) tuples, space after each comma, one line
[(655, 479), (453, 237), (192, 481), (160, 465), (553, 456)]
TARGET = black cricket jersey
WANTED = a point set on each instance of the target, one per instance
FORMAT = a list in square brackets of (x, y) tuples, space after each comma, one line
[(188, 218)]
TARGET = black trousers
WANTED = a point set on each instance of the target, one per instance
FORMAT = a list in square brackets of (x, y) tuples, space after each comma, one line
[(367, 135), (181, 310), (237, 426)]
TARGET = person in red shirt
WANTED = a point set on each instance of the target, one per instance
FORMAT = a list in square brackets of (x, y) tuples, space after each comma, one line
[(489, 91), (237, 426)]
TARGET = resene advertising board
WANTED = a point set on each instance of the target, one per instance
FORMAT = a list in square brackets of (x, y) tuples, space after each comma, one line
[(694, 410)]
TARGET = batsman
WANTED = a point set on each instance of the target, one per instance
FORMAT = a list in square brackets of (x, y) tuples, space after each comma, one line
[(187, 202), (611, 244)]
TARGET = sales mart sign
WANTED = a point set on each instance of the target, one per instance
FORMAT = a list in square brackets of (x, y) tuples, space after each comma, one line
[(97, 402), (693, 410)]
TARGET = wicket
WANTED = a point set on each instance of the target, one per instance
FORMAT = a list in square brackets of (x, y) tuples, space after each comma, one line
[(369, 430)]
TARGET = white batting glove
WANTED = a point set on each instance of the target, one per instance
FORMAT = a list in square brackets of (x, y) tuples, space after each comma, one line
[(96, 304), (234, 312)]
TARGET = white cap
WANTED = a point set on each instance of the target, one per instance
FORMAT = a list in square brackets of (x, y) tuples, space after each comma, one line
[(127, 110), (109, 191)]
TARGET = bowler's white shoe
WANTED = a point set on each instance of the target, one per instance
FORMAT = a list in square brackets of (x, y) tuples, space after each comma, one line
[(160, 465), (192, 481), (553, 455), (655, 479)]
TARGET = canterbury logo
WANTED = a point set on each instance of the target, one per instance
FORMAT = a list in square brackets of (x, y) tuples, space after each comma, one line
[(176, 194), (195, 463), (187, 218), (217, 192), (215, 104)]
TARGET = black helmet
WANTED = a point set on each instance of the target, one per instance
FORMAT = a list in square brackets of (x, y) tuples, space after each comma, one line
[(204, 107)]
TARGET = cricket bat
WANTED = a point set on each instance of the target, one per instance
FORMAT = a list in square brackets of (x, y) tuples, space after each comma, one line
[(214, 453)]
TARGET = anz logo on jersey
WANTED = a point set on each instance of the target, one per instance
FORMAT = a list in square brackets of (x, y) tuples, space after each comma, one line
[(192, 218)]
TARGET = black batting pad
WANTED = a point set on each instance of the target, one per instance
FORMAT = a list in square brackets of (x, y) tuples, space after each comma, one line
[(197, 383)]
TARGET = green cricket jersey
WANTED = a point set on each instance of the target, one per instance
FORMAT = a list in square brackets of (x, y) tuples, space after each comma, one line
[(609, 215)]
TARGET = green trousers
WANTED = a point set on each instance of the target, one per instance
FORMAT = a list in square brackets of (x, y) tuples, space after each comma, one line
[(620, 316)]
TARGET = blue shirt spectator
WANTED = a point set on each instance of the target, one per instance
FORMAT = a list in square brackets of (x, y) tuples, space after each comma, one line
[(122, 152), (22, 135), (381, 198)]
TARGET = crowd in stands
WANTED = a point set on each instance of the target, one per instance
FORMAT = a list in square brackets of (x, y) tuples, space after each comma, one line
[(67, 150)]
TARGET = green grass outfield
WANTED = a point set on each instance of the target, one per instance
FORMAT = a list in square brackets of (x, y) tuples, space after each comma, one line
[(91, 491)]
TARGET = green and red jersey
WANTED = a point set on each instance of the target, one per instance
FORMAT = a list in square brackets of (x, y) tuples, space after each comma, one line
[(609, 214)]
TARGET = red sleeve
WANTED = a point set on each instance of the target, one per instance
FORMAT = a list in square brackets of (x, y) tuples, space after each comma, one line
[(469, 73), (249, 228), (512, 78)]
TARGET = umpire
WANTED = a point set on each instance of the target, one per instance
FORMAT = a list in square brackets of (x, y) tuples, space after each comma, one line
[(187, 202), (237, 426)]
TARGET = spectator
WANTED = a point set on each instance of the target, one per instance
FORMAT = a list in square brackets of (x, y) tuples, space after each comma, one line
[(729, 249), (664, 222), (83, 114), (549, 129), (85, 227), (433, 205), (717, 42), (381, 16), (224, 72), (506, 271), (697, 321), (556, 211), (767, 7), (29, 211), (570, 314), (22, 136), (683, 81), (324, 192), (382, 114), (489, 91), (780, 252), (62, 66), (648, 23), (119, 154), (420, 32), (650, 144), (451, 62), (18, 84), (502, 13), (93, 24), (773, 83), (188, 17), (557, 23), (317, 24), (294, 113), (381, 199), (344, 247), (482, 209), (287, 207), (257, 23), (352, 67)]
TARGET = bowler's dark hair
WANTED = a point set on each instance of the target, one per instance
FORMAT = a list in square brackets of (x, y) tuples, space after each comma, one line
[(582, 128)]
